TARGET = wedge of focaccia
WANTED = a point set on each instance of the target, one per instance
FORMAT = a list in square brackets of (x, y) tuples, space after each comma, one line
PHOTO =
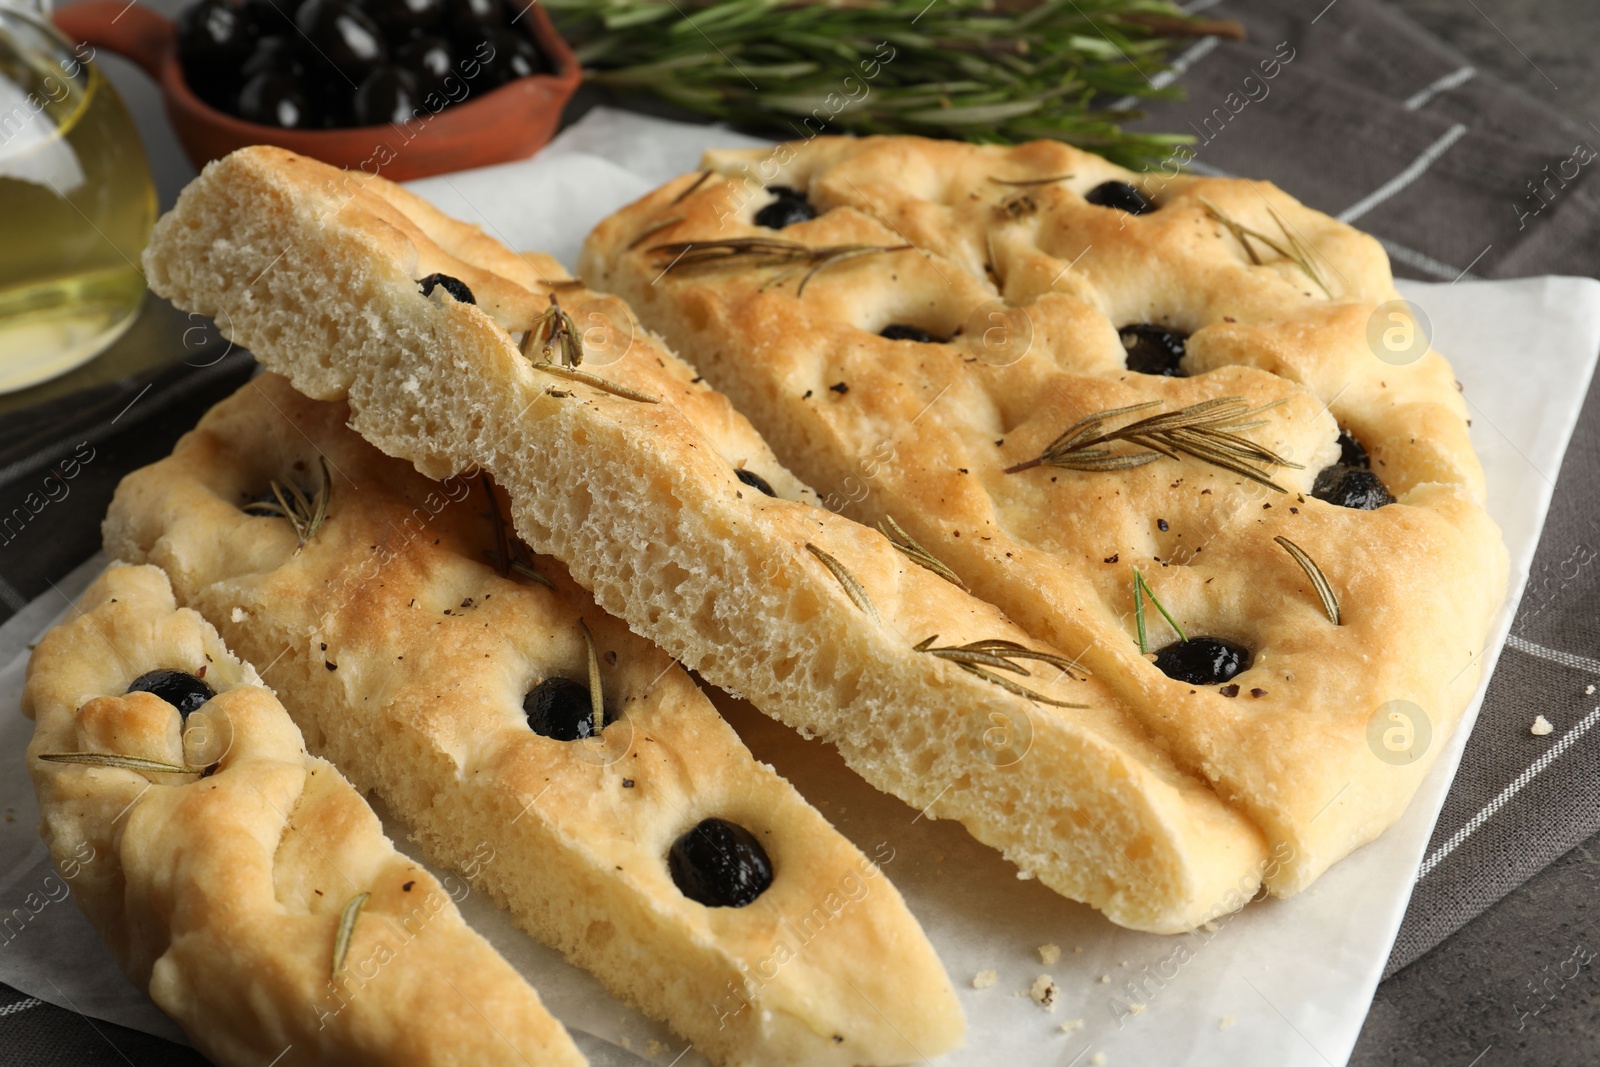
[(1004, 316), (816, 619), (243, 883), (656, 853)]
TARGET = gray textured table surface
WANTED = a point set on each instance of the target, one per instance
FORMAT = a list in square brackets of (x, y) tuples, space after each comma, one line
[(1462, 1004)]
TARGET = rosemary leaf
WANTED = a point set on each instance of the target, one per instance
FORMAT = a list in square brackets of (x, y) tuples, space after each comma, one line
[(127, 763), (1141, 589), (603, 384), (852, 588), (555, 336), (761, 252), (917, 554), (1291, 247), (1330, 602), (347, 928), (1032, 181), (304, 515), (976, 657), (597, 703), (700, 179), (656, 227), (1199, 430)]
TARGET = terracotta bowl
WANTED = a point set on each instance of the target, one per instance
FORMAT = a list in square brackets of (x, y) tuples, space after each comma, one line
[(510, 122)]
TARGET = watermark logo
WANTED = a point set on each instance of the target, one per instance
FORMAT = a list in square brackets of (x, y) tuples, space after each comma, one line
[(1399, 332), (1002, 333), (1399, 733)]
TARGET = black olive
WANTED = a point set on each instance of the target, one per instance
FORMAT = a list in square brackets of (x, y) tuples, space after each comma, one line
[(1154, 349), (1351, 487), (388, 94), (268, 18), (179, 688), (720, 865), (454, 286), (1202, 660), (790, 207), (559, 708), (1121, 196), (401, 18), (899, 331), (469, 19), (515, 56), (277, 54), (273, 100), (1351, 452), (344, 36), (754, 481), (430, 59), (212, 44)]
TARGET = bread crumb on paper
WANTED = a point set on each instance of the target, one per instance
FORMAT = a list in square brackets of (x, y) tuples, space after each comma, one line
[(1098, 1058), (1049, 954), (1226, 1023), (1044, 992), (1105, 979), (1541, 726), (985, 978), (1071, 1025), (1135, 1008)]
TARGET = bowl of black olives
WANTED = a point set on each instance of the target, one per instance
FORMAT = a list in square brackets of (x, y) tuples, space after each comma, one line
[(405, 88)]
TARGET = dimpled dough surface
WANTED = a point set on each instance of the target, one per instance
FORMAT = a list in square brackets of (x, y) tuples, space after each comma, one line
[(1005, 240), (220, 893), (410, 657)]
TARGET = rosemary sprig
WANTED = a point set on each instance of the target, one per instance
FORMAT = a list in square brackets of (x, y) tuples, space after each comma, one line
[(977, 657), (1330, 602), (603, 384), (1291, 247), (757, 252), (305, 515), (597, 703), (1201, 430), (555, 336), (510, 554), (127, 763), (970, 69), (852, 588), (347, 928), (1141, 589), (917, 554)]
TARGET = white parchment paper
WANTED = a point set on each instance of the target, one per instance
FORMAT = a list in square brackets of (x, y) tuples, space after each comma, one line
[(1281, 984)]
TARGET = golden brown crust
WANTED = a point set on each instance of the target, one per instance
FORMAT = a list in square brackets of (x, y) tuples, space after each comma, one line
[(414, 655), (221, 894), (1002, 239), (638, 500)]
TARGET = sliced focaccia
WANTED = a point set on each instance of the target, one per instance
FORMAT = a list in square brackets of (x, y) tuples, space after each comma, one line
[(639, 838), (242, 882), (678, 518), (1064, 380)]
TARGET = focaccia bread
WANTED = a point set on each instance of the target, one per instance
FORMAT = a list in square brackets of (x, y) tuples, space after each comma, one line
[(321, 274), (656, 853), (243, 883), (956, 335)]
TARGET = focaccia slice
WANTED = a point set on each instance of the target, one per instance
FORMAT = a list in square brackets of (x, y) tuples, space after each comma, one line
[(974, 310), (463, 698), (243, 883), (317, 272)]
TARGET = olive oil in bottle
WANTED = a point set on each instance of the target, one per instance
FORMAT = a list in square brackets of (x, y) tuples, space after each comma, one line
[(76, 205)]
